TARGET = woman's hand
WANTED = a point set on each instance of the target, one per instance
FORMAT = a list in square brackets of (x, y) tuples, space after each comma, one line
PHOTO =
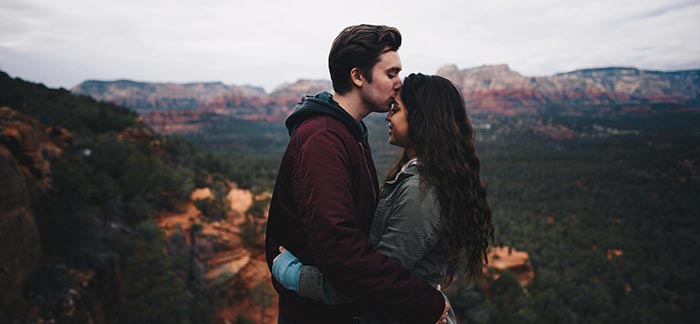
[(286, 269), (443, 317)]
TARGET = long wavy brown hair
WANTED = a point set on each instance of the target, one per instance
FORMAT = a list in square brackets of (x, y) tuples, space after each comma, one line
[(443, 138)]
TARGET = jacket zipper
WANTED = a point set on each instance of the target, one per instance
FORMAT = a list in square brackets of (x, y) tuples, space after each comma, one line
[(371, 181)]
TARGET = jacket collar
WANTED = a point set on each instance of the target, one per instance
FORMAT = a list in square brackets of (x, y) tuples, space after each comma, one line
[(410, 168)]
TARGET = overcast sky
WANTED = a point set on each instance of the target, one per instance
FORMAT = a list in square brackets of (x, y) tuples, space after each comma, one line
[(64, 42)]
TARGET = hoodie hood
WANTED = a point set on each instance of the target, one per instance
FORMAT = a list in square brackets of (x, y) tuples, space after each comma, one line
[(322, 104)]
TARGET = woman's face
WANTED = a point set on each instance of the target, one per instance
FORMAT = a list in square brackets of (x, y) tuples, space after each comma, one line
[(398, 124)]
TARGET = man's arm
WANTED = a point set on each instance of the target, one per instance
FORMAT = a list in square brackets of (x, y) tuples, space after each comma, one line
[(288, 270), (322, 180), (411, 230), (313, 284)]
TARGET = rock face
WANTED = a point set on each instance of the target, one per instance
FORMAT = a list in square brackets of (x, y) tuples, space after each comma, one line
[(300, 88), (26, 149), (176, 121), (224, 263), (499, 90), (491, 89), (144, 95), (18, 231), (171, 108), (186, 108), (508, 258)]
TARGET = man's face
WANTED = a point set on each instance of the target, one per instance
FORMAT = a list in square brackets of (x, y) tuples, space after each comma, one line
[(379, 94)]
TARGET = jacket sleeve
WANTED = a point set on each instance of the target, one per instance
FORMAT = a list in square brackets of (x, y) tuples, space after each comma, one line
[(313, 284), (321, 186), (411, 228)]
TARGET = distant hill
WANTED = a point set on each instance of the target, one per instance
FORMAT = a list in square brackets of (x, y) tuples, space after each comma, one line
[(215, 108), (489, 89), (170, 96), (141, 95), (496, 89), (300, 88)]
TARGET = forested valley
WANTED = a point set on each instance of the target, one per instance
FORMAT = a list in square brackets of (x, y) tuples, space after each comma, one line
[(605, 208)]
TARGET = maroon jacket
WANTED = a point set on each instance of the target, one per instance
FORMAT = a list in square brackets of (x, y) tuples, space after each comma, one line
[(321, 209)]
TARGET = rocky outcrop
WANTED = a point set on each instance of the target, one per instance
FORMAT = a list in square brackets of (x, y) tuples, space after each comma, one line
[(26, 149), (18, 231), (300, 88), (490, 89), (499, 90), (145, 95), (177, 121), (224, 263), (140, 133), (507, 258), (185, 108), (171, 108)]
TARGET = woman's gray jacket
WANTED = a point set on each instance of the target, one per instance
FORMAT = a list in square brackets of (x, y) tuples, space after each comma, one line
[(406, 228)]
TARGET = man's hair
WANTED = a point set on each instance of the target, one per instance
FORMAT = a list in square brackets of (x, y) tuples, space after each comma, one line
[(359, 47)]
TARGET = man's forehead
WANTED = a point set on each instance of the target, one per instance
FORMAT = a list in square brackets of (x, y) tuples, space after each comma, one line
[(389, 60)]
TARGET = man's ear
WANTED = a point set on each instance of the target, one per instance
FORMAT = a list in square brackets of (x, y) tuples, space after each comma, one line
[(357, 77)]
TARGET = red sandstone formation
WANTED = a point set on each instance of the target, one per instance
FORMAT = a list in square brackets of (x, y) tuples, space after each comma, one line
[(228, 266), (497, 89), (508, 258), (491, 90), (26, 149), (614, 253)]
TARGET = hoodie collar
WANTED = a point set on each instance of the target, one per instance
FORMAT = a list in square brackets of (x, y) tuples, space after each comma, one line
[(322, 104)]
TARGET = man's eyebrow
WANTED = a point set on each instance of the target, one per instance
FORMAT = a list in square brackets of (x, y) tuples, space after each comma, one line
[(394, 69)]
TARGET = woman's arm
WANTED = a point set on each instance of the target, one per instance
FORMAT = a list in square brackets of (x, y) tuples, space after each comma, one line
[(411, 230), (306, 281), (312, 284)]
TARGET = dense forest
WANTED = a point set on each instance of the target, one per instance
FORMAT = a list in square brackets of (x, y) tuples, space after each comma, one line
[(628, 184), (104, 260), (569, 191)]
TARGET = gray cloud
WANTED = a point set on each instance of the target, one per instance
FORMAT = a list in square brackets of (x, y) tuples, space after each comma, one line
[(666, 9), (62, 43)]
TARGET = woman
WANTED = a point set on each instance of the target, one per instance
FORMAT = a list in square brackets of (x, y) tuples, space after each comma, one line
[(432, 216)]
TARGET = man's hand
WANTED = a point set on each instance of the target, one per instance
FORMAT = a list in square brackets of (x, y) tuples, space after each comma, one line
[(286, 269), (443, 317)]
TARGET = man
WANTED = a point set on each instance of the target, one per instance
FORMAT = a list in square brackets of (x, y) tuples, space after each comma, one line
[(327, 189)]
